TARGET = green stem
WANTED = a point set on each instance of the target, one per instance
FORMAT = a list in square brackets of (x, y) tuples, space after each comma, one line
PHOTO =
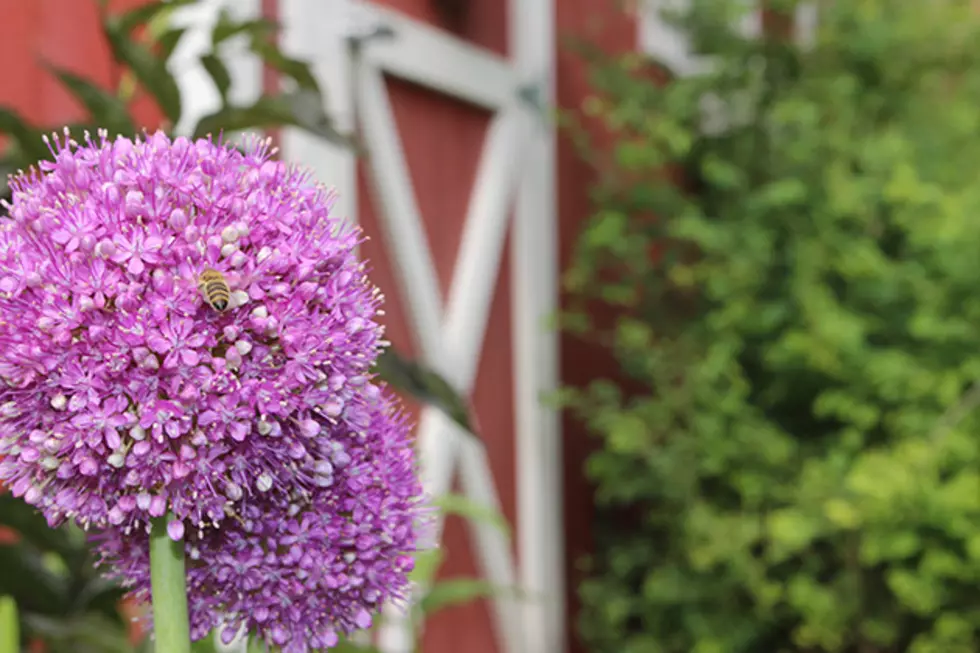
[(9, 626), (170, 624)]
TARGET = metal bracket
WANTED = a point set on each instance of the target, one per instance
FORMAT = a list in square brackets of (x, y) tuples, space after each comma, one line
[(532, 96), (364, 26)]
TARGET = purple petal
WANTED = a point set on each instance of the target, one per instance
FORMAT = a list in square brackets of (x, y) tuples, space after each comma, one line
[(159, 344), (175, 529), (207, 418), (363, 619), (189, 357), (112, 439), (238, 431), (158, 506)]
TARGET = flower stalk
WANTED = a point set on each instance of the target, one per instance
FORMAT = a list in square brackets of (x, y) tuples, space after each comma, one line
[(167, 577)]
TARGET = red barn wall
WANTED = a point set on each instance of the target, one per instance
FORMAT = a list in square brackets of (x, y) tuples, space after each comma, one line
[(62, 33), (442, 138)]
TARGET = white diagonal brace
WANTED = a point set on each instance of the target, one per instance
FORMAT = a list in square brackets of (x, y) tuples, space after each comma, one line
[(398, 211)]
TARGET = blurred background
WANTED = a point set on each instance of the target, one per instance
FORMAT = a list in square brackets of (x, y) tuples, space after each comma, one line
[(682, 295)]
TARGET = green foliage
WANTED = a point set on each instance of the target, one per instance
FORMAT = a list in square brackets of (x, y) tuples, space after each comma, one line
[(56, 593), (790, 458)]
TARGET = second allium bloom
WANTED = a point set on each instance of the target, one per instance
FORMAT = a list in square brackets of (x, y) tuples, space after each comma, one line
[(125, 396)]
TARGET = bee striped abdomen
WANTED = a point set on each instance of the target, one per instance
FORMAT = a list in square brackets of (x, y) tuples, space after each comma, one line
[(215, 289)]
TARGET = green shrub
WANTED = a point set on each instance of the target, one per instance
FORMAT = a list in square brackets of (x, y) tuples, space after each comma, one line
[(790, 459)]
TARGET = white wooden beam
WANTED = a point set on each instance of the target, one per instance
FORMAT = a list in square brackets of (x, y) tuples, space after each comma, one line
[(432, 58), (315, 31), (484, 234), (399, 214), (534, 297)]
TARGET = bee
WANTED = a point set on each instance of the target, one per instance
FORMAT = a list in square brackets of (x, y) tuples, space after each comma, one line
[(214, 288)]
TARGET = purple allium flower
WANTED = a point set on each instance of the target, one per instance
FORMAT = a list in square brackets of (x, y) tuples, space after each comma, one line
[(124, 396), (303, 562)]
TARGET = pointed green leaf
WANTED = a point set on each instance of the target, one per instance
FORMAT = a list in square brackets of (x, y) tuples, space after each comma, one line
[(427, 564), (9, 625), (146, 13), (457, 591), (294, 68), (168, 40), (269, 111), (219, 74), (266, 112), (425, 385), (26, 136), (457, 504), (308, 113), (150, 70), (105, 108), (226, 27)]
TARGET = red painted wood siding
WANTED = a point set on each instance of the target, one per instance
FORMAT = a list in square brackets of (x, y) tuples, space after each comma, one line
[(63, 33), (442, 138)]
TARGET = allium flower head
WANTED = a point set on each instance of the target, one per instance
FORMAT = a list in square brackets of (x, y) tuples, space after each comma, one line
[(298, 567), (125, 396)]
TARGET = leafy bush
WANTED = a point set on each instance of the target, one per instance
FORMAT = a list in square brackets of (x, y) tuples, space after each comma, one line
[(790, 460)]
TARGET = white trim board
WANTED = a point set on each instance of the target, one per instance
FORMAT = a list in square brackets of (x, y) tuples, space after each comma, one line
[(199, 97), (515, 176)]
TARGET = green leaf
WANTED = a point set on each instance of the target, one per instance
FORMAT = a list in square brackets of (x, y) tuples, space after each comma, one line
[(427, 564), (457, 504), (147, 13), (265, 112), (81, 634), (150, 70), (105, 108), (268, 111), (7, 168), (26, 579), (457, 591), (26, 136), (226, 27), (296, 69), (206, 645), (28, 522), (168, 40), (9, 625), (425, 385), (308, 113), (219, 74)]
